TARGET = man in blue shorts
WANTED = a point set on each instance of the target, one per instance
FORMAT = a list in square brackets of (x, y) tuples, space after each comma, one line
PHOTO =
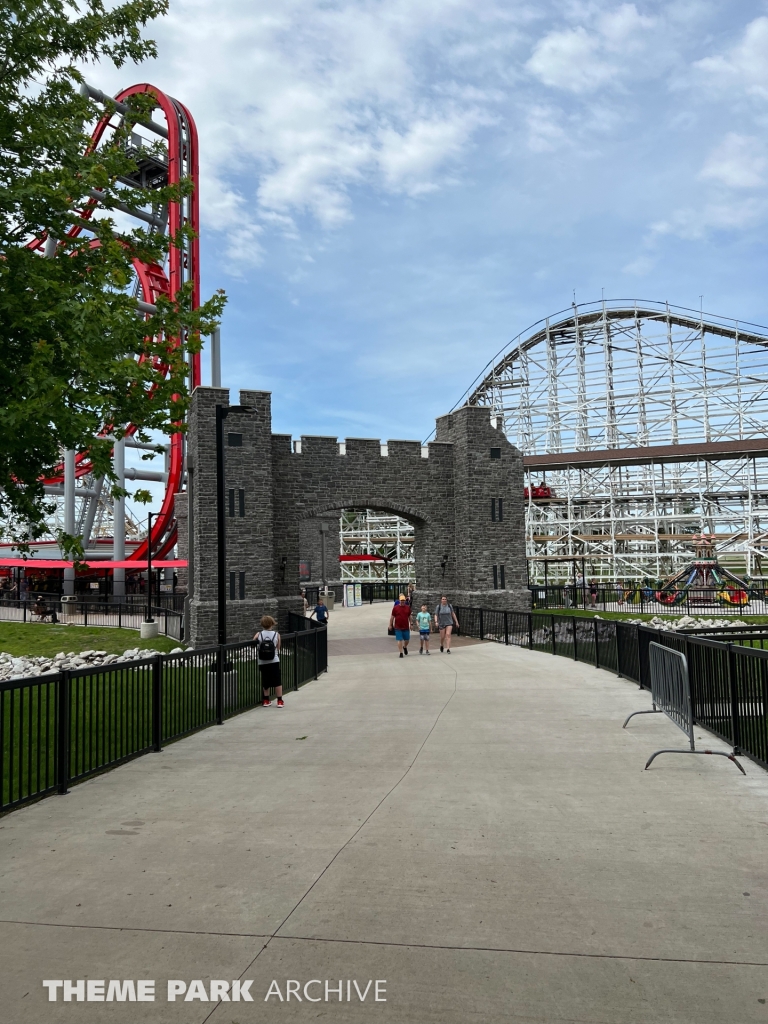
[(399, 620)]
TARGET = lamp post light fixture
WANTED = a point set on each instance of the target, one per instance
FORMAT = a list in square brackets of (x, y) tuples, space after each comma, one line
[(149, 628), (148, 614), (323, 532)]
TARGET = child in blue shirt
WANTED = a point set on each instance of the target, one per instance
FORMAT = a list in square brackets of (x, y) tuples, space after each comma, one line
[(423, 621)]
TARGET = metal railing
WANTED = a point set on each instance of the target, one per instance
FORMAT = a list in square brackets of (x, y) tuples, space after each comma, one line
[(379, 591), (728, 675), (642, 599), (90, 613), (92, 598), (67, 726)]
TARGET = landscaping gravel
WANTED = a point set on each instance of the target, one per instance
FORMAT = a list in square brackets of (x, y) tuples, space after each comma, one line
[(12, 667)]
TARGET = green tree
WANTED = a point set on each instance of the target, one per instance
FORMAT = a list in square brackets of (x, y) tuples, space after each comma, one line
[(75, 358)]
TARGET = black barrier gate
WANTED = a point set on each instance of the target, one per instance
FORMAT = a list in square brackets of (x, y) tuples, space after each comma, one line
[(671, 695)]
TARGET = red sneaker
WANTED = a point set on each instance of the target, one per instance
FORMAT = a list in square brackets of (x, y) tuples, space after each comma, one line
[(266, 703), (280, 702)]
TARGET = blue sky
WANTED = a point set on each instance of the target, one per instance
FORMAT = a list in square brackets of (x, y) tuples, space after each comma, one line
[(392, 190)]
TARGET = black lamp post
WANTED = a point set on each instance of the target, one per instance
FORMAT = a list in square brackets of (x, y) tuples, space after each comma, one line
[(148, 616)]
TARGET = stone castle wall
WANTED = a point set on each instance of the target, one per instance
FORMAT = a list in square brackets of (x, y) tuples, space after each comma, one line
[(447, 495)]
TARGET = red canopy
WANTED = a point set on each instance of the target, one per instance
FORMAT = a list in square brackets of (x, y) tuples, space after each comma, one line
[(58, 563)]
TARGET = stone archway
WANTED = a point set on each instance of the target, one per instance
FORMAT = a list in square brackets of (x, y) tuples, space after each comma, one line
[(464, 493), (311, 549)]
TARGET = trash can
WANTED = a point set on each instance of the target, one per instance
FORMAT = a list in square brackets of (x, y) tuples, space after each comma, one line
[(68, 607), (330, 600)]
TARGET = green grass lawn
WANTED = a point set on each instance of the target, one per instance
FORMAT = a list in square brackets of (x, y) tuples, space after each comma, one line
[(43, 640), (646, 616)]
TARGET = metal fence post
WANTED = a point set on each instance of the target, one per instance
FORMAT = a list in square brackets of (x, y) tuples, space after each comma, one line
[(575, 643), (690, 675), (85, 615), (220, 685), (530, 631), (119, 616), (157, 703), (597, 648), (314, 633), (554, 644), (62, 738), (506, 630), (482, 631), (735, 713), (295, 661)]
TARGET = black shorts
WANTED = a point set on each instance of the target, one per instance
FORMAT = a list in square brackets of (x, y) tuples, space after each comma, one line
[(270, 675)]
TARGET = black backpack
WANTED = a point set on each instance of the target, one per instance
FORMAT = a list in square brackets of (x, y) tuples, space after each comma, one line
[(267, 648)]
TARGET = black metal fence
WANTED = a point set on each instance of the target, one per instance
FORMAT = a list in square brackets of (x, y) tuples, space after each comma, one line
[(63, 727), (728, 668), (174, 601), (604, 643), (645, 599), (93, 613), (379, 591)]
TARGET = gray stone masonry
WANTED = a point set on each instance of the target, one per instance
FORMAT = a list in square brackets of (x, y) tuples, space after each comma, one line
[(311, 551), (447, 496)]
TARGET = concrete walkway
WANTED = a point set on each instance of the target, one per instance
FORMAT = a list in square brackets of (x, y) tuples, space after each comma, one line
[(476, 830)]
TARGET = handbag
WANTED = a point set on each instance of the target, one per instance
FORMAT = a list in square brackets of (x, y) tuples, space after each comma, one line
[(391, 631)]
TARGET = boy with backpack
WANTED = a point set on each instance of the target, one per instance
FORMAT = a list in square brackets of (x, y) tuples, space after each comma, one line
[(269, 661)]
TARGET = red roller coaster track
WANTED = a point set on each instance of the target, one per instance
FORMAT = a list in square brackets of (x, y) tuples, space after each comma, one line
[(153, 280)]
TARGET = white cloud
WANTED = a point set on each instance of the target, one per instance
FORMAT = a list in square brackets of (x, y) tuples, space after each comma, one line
[(302, 105), (744, 66), (301, 102), (725, 215), (739, 161), (410, 161), (622, 29), (570, 60), (581, 61), (641, 266)]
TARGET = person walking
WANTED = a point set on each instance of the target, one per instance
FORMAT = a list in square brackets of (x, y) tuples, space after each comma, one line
[(400, 621), (320, 612), (424, 620), (268, 640), (445, 620)]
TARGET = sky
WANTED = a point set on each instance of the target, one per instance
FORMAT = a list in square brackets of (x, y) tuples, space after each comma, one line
[(393, 189)]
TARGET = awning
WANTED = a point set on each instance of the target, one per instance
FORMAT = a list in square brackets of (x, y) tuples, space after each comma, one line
[(58, 563)]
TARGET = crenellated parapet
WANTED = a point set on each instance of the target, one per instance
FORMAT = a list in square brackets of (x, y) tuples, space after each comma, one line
[(466, 543)]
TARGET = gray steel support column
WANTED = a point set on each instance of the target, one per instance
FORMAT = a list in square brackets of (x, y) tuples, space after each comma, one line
[(216, 358), (118, 518), (69, 513), (90, 515)]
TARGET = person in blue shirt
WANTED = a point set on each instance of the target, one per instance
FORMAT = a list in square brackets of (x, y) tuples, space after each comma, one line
[(424, 620), (320, 612)]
